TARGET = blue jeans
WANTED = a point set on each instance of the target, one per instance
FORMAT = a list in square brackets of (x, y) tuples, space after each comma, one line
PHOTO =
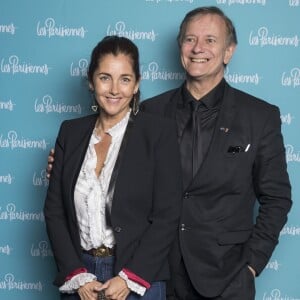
[(102, 267)]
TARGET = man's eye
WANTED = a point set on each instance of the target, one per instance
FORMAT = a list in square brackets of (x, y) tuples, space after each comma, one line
[(189, 40), (211, 41)]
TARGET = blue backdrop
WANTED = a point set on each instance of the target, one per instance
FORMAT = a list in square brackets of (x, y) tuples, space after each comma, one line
[(44, 53)]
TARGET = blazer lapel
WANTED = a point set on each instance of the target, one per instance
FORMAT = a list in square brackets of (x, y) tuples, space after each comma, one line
[(114, 175), (170, 109)]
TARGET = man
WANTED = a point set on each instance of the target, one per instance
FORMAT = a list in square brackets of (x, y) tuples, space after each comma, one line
[(232, 154)]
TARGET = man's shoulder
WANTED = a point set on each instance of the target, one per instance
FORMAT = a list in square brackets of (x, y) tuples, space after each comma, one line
[(158, 103), (248, 101)]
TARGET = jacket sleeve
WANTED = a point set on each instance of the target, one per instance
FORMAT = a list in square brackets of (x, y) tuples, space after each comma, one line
[(273, 191), (56, 217), (156, 241)]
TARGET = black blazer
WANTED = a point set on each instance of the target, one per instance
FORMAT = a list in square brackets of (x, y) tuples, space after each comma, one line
[(146, 201), (218, 235)]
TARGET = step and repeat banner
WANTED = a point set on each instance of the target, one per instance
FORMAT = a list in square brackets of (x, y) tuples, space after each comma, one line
[(44, 54)]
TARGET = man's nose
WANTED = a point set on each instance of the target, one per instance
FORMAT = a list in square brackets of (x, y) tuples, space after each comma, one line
[(198, 46)]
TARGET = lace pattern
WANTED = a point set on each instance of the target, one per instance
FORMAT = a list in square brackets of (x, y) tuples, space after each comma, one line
[(72, 285), (132, 285)]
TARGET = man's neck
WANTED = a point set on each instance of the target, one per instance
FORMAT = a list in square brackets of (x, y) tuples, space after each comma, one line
[(199, 88)]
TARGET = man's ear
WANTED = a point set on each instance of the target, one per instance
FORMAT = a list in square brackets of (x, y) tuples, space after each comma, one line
[(229, 53)]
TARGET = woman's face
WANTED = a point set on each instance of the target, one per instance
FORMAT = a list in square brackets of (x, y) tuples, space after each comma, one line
[(114, 84)]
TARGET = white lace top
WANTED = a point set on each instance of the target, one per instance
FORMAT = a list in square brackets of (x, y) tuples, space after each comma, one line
[(91, 191)]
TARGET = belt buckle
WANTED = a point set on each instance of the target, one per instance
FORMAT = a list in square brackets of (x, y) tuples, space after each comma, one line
[(102, 251)]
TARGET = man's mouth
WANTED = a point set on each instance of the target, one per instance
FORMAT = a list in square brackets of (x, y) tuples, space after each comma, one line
[(200, 60)]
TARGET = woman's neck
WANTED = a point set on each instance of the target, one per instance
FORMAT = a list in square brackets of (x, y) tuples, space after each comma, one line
[(105, 121)]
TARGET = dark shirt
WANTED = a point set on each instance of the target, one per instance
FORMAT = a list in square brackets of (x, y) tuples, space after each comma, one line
[(208, 108)]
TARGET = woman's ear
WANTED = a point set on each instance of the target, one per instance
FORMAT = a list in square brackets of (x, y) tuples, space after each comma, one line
[(91, 87)]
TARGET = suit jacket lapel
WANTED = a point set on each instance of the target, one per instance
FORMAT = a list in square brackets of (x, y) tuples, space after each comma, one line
[(170, 109)]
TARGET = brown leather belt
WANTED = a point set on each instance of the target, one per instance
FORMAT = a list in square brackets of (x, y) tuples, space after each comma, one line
[(101, 251)]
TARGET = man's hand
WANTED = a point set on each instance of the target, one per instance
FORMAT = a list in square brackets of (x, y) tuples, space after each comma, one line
[(116, 289), (90, 290), (50, 163)]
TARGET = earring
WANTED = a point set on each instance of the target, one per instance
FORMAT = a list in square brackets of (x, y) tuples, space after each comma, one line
[(94, 108), (95, 105), (135, 105)]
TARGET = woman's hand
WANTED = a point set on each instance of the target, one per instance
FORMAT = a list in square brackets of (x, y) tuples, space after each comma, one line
[(90, 290), (50, 163), (116, 289)]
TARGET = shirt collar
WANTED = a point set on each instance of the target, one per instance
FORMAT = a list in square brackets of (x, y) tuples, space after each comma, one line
[(211, 100)]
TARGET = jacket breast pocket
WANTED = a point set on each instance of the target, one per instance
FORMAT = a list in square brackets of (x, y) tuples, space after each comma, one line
[(234, 237)]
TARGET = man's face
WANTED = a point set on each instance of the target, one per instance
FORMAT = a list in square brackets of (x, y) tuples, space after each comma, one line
[(204, 48)]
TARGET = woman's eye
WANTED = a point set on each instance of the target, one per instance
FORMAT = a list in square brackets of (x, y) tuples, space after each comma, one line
[(104, 78)]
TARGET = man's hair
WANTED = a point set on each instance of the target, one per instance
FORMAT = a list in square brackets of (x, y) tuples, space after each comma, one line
[(208, 10)]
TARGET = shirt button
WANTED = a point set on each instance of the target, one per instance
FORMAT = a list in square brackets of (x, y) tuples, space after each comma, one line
[(118, 229)]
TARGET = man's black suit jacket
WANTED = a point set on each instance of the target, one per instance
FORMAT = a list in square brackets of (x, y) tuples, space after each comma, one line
[(218, 234), (146, 201)]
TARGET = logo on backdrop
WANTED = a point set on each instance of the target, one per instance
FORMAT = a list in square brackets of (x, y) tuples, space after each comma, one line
[(5, 249), (290, 230), (13, 66), (292, 155), (276, 295), (264, 38), (120, 29), (6, 179), (287, 118), (273, 265), (7, 105), (291, 78), (294, 2), (153, 72), (79, 69), (242, 78), (10, 213), (49, 29), (12, 141), (42, 249), (170, 1), (40, 179), (8, 28), (242, 2), (9, 283), (47, 105)]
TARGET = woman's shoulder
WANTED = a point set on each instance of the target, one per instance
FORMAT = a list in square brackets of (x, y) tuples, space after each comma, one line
[(79, 121)]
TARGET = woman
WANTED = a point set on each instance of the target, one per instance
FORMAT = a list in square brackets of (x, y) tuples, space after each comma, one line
[(113, 200)]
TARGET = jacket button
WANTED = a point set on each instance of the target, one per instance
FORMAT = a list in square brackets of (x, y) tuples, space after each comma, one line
[(186, 195), (117, 229), (182, 227)]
